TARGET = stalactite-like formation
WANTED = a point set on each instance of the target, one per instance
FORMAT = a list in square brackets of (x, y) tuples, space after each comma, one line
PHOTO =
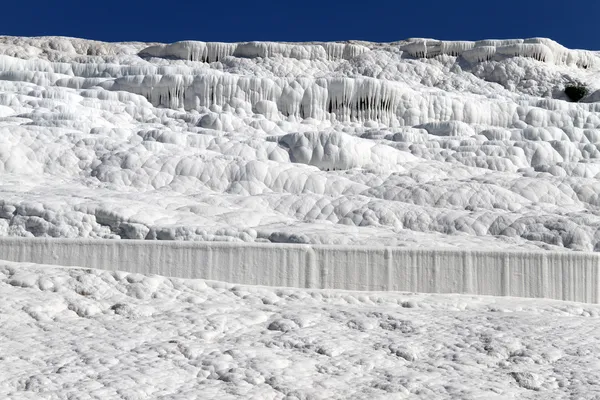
[(213, 51), (452, 142)]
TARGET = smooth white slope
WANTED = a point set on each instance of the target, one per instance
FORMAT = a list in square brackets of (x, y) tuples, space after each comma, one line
[(88, 334), (419, 141)]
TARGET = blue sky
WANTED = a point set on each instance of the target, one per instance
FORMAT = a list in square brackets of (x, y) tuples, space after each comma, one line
[(572, 23)]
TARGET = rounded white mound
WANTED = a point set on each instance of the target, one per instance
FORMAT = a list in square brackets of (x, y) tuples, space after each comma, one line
[(419, 142)]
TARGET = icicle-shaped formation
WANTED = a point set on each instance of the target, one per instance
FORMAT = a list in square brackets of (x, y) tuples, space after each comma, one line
[(211, 51), (342, 99), (295, 80), (479, 54), (473, 144), (540, 49), (191, 51), (60, 49)]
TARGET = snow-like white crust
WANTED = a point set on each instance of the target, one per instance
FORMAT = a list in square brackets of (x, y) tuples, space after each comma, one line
[(419, 142), (81, 333)]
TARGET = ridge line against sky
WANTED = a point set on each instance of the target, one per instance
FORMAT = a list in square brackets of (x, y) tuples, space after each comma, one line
[(572, 24)]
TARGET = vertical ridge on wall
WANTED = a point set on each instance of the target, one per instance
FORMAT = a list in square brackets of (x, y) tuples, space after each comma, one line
[(311, 270), (389, 274), (467, 275), (559, 275), (506, 275)]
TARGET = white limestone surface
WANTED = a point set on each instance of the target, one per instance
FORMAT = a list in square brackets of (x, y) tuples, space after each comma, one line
[(76, 333), (573, 276), (419, 143)]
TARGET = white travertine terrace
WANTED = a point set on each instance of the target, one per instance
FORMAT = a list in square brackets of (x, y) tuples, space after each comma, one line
[(410, 166), (419, 142), (77, 332)]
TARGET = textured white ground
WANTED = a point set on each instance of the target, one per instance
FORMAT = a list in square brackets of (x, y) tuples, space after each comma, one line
[(72, 333), (416, 143)]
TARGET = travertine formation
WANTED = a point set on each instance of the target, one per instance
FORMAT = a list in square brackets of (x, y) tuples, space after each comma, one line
[(418, 142), (92, 334)]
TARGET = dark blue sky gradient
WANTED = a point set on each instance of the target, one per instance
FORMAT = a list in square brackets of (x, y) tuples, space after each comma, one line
[(573, 23)]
